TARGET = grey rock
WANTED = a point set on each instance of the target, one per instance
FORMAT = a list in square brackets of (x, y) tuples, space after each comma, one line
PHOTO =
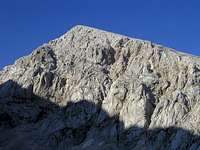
[(91, 89)]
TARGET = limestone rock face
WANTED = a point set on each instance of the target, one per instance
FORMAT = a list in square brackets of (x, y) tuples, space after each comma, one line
[(91, 89)]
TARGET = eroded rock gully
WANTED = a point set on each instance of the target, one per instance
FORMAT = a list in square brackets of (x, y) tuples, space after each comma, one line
[(91, 89)]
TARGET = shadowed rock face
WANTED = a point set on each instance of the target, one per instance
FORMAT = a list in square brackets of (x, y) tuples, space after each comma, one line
[(91, 89)]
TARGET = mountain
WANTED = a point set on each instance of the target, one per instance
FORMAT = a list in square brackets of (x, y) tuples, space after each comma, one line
[(91, 89)]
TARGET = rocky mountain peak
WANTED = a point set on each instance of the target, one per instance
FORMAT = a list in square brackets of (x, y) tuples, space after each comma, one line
[(92, 89)]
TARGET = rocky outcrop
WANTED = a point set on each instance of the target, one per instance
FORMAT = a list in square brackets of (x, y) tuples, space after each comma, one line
[(91, 89)]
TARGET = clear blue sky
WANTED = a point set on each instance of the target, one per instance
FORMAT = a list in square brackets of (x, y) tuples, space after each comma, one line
[(26, 24)]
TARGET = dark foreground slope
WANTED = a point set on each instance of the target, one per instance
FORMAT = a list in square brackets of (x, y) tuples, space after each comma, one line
[(91, 89)]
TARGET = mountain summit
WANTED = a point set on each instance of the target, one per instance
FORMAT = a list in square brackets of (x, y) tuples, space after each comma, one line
[(91, 89)]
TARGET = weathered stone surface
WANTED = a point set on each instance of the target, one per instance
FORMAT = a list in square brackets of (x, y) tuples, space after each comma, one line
[(91, 89)]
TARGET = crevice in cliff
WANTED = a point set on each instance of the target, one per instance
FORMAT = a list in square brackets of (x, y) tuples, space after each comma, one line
[(149, 107)]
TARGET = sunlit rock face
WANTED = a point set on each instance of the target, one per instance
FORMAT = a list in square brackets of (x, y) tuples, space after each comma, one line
[(91, 89)]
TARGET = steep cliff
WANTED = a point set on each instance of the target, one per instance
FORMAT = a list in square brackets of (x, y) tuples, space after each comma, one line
[(91, 89)]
